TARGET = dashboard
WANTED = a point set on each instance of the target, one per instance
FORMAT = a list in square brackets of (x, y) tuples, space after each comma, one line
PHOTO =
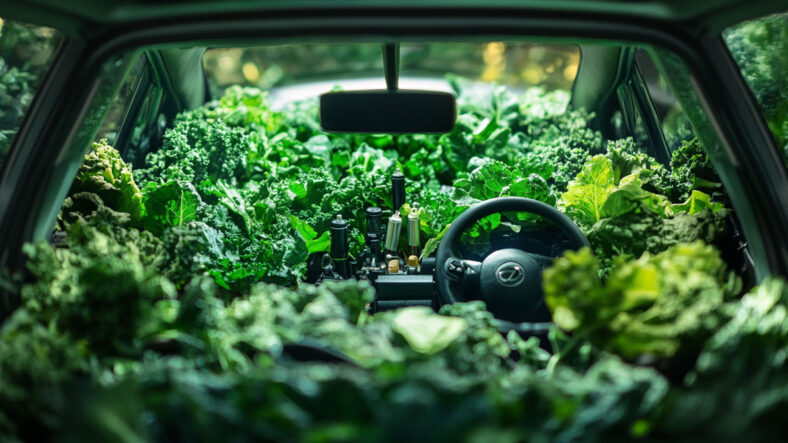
[(401, 276)]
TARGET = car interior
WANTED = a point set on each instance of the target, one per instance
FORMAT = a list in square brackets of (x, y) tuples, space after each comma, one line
[(374, 221), (624, 91)]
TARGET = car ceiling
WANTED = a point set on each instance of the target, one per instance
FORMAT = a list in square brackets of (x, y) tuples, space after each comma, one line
[(82, 16)]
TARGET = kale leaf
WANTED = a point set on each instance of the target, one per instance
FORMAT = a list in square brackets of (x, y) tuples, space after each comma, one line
[(105, 174), (656, 305)]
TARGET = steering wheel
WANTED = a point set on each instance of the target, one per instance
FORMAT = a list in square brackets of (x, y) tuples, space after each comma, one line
[(509, 280)]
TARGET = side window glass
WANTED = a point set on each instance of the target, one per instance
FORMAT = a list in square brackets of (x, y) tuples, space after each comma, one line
[(760, 48), (145, 128), (136, 119), (26, 53), (641, 116), (672, 119), (636, 126), (121, 104)]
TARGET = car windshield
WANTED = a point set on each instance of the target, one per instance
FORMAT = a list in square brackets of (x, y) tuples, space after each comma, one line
[(253, 174), (514, 64), (214, 222)]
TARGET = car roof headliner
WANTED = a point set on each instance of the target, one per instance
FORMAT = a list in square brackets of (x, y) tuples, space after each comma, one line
[(704, 17)]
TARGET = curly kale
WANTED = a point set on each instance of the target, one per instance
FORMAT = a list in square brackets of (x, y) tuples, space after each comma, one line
[(198, 147), (691, 170), (191, 309), (105, 174), (639, 231), (72, 285)]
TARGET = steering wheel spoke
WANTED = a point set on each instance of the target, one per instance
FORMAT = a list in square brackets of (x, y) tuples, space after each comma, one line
[(463, 271), (543, 261)]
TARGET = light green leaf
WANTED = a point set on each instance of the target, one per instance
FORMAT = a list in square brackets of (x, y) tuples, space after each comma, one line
[(314, 243), (103, 172), (629, 195), (697, 202), (587, 193), (425, 331)]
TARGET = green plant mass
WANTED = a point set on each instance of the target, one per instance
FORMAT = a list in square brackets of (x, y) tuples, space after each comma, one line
[(25, 55), (760, 48), (180, 288)]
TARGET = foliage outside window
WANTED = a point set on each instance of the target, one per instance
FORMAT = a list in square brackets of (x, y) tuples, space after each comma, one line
[(760, 48), (510, 63), (26, 52)]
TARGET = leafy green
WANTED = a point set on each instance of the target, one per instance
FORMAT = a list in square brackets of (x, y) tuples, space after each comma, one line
[(199, 147), (35, 359), (641, 231), (105, 174), (692, 170), (656, 305), (194, 312), (71, 284), (611, 203), (630, 196), (586, 195), (759, 48), (425, 332), (314, 243), (170, 204), (741, 366), (696, 203)]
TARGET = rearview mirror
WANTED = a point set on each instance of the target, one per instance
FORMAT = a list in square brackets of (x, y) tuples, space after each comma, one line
[(392, 112)]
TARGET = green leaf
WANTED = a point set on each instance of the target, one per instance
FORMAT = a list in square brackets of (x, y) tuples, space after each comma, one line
[(697, 202), (233, 200), (103, 172), (298, 189), (314, 243), (432, 244), (366, 159), (656, 305), (425, 331), (587, 193), (630, 195), (170, 204)]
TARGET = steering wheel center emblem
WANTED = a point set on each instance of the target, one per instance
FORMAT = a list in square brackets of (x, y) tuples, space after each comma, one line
[(510, 274)]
